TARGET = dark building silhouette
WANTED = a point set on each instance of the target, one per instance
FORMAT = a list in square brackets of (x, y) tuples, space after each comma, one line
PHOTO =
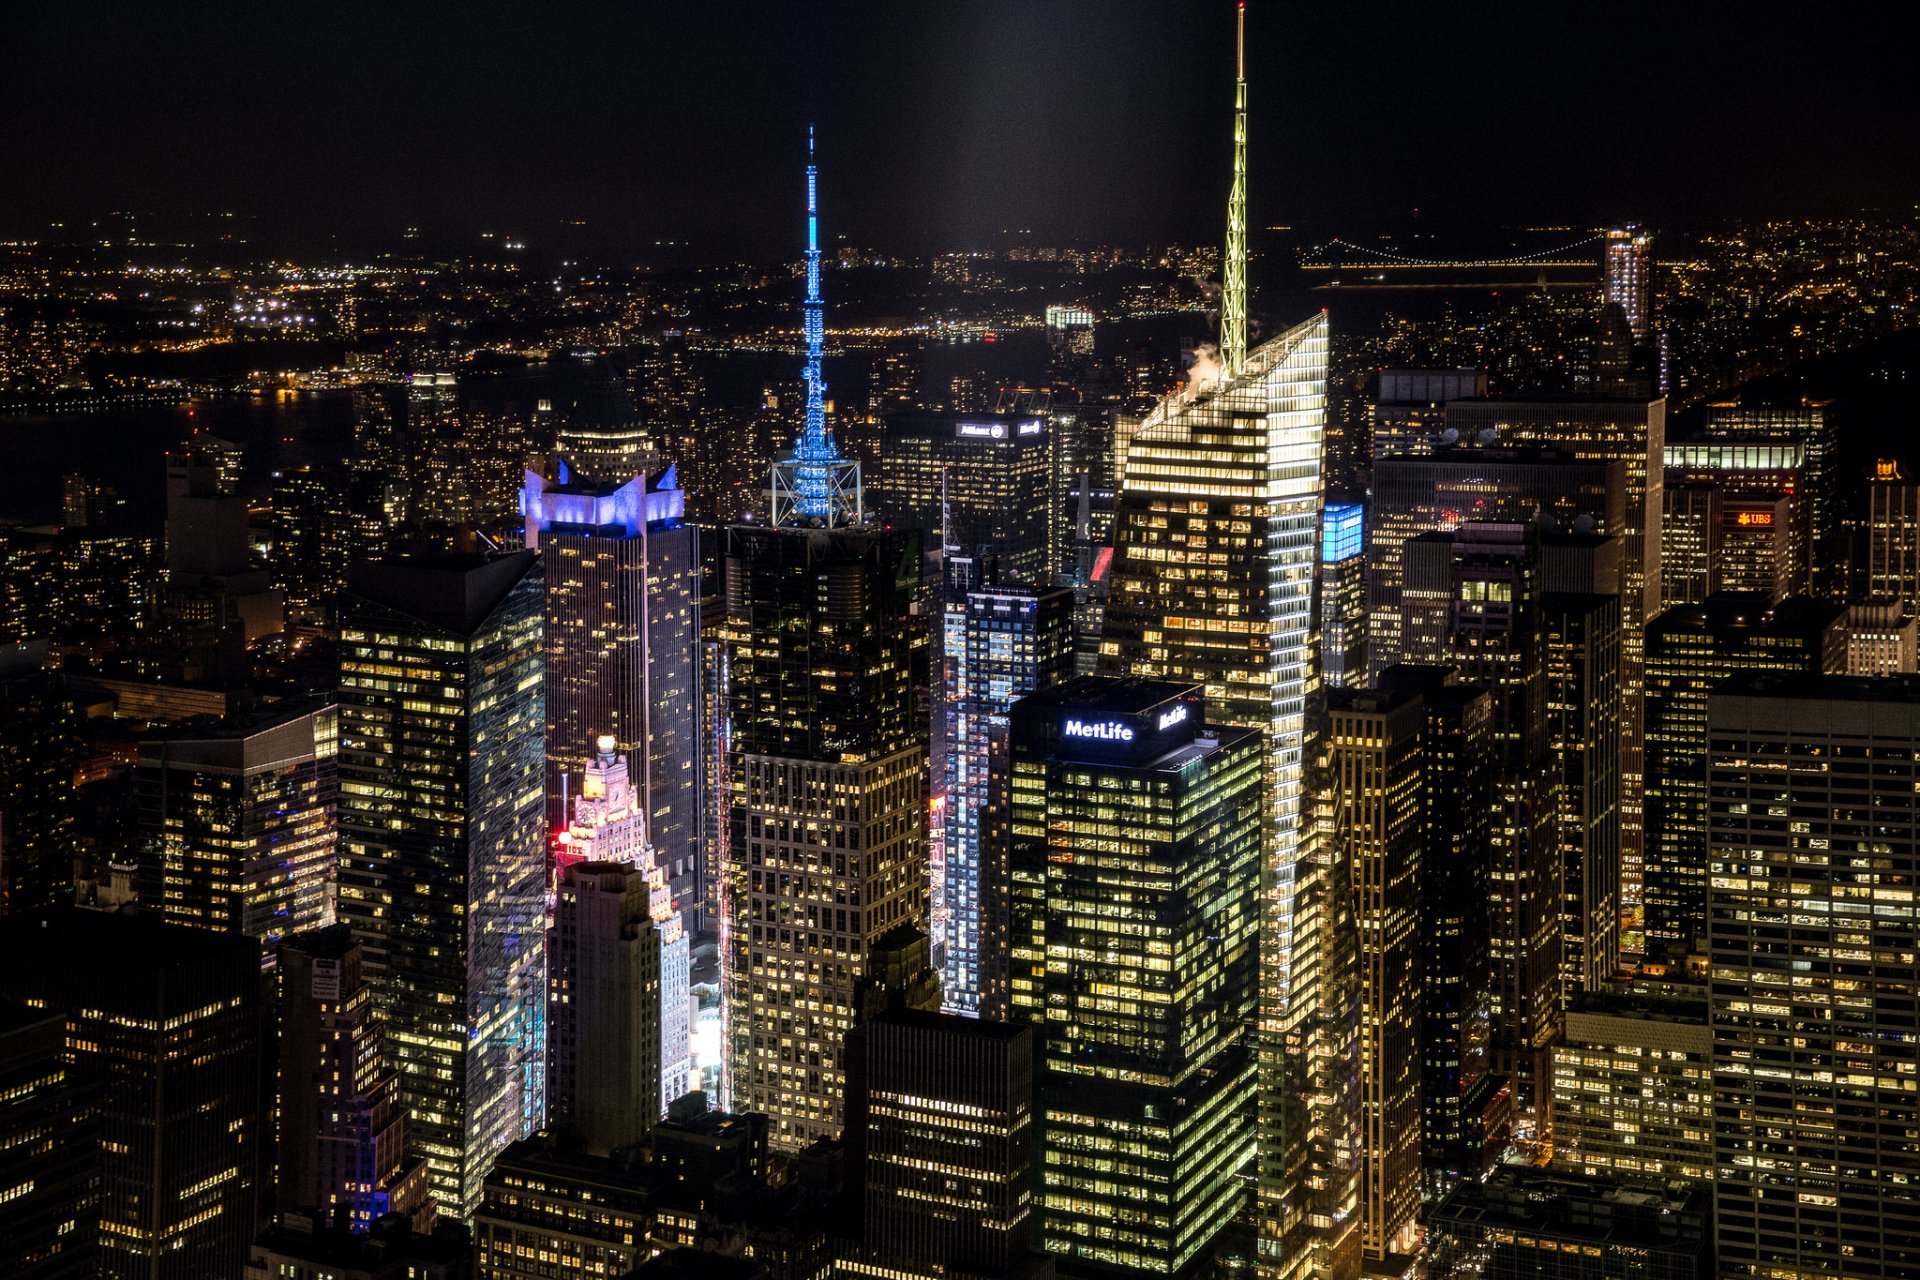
[(169, 1022), (342, 1146), (39, 751), (49, 1152)]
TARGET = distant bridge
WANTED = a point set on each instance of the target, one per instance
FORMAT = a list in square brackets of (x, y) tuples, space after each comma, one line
[(1316, 259)]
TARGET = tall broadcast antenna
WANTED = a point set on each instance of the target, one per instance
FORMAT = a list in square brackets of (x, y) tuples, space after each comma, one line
[(1233, 306)]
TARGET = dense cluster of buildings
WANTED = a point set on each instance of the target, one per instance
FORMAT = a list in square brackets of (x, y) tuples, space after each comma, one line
[(1069, 842)]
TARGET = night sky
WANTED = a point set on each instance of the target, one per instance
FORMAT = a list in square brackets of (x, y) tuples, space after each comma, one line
[(941, 124)]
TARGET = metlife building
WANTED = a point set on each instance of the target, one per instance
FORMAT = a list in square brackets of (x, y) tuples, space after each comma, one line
[(980, 483), (1133, 867)]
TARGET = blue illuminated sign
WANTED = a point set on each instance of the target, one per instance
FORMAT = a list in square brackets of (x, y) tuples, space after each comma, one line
[(1342, 533), (1098, 730)]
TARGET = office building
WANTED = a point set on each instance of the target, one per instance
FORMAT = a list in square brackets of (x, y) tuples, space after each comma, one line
[(443, 848), (1690, 532), (1480, 587), (1627, 282), (1374, 740), (1001, 644), (39, 753), (1811, 430), (1409, 409), (1216, 534), (1134, 873), (1690, 649), (1758, 551), (1767, 506), (1084, 467), (828, 769), (942, 1158), (1462, 1100), (552, 1210), (619, 1005), (1814, 795), (601, 434), (342, 1142), (1893, 537), (1453, 485), (1632, 431), (1582, 645), (49, 1149), (1560, 1226), (1633, 1085), (1343, 595), (238, 819), (1882, 640), (168, 1023), (622, 571), (982, 483), (216, 602)]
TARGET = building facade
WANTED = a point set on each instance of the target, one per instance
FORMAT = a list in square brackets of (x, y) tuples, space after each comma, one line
[(443, 848)]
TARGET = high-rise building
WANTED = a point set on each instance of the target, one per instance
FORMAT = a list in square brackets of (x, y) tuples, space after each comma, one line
[(827, 846), (1216, 533), (1814, 796), (50, 1138), (1766, 506), (39, 752), (618, 974), (1409, 409), (1811, 429), (1632, 431), (1463, 1103), (342, 1144), (1882, 640), (239, 823), (1001, 644), (982, 483), (551, 1210), (1758, 551), (443, 845), (1628, 283), (1690, 649), (601, 434), (216, 602), (1580, 632), (1893, 537), (1375, 740), (1421, 494), (1343, 594), (622, 570), (1483, 584), (1134, 873), (1690, 532), (1633, 1085), (169, 1023), (301, 1247), (941, 1147)]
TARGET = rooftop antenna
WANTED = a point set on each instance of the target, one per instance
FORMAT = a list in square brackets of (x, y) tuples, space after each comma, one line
[(1233, 308)]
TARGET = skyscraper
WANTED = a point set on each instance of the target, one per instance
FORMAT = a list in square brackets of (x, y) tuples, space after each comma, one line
[(622, 570), (1628, 267), (942, 1154), (169, 1023), (239, 823), (1812, 941), (1375, 743), (982, 483), (1134, 874), (1001, 644), (1216, 533), (443, 849), (50, 1132), (39, 751), (343, 1136), (1581, 644), (827, 846), (1893, 537), (619, 983), (1690, 531), (1343, 594), (1690, 649), (1811, 430)]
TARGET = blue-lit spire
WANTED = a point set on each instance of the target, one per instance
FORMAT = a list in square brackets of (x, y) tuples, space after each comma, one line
[(815, 482)]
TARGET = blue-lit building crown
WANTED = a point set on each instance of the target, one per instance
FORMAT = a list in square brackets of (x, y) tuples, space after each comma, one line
[(1342, 531)]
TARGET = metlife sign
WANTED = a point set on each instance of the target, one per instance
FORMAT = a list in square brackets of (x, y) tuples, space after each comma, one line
[(1097, 730), (1131, 736)]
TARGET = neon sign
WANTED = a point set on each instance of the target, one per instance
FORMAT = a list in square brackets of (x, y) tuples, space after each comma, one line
[(1098, 730), (1170, 718)]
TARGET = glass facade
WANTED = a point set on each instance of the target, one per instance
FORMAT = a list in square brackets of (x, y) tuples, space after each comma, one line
[(443, 846), (1134, 872), (1216, 545)]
